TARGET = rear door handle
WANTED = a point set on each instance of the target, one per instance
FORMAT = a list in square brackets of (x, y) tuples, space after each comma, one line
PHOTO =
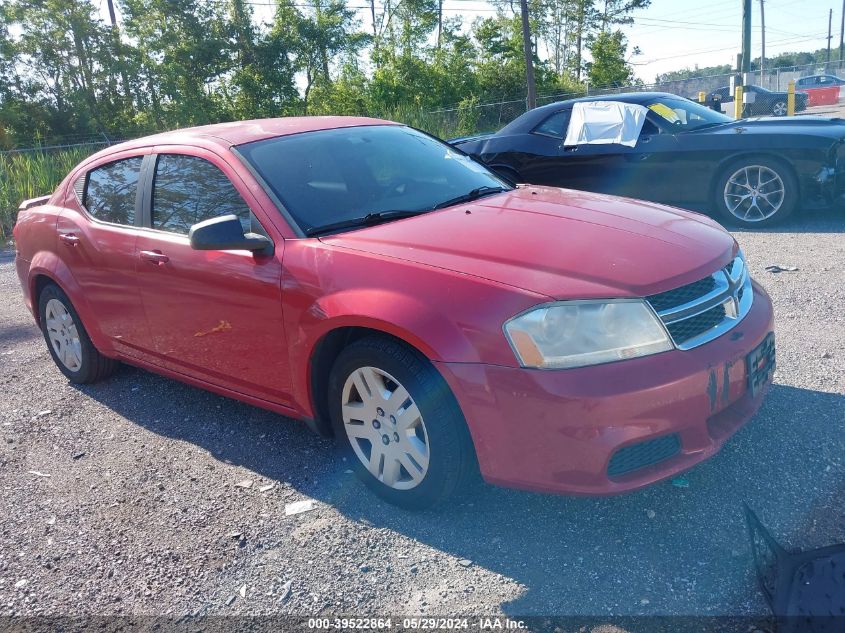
[(155, 257), (69, 238)]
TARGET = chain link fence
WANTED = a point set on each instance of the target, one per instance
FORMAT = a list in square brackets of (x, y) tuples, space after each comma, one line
[(470, 117), (31, 171)]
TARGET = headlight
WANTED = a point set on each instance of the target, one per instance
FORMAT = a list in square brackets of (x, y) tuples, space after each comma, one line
[(579, 333)]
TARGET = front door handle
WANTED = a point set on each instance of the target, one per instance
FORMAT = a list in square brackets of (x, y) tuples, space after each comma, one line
[(69, 238), (155, 257)]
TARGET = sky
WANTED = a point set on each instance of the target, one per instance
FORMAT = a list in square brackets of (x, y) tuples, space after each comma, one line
[(676, 34)]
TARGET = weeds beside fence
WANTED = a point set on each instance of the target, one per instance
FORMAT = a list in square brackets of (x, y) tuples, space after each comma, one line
[(34, 172), (26, 175)]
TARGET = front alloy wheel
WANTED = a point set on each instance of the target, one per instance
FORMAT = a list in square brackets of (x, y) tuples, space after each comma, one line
[(779, 109), (756, 192), (397, 421), (385, 428)]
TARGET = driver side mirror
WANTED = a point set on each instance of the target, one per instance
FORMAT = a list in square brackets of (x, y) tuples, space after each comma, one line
[(225, 233)]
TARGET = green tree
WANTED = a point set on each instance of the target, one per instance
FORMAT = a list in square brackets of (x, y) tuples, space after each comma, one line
[(609, 67), (183, 48), (327, 32), (261, 83)]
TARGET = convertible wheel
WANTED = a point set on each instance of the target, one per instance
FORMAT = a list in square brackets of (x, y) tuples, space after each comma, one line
[(68, 342), (756, 192), (398, 422), (779, 108)]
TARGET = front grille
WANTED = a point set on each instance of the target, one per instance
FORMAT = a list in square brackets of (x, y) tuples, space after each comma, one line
[(684, 294), (630, 458), (684, 330), (707, 308)]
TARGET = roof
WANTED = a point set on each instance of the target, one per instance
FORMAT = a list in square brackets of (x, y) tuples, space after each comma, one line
[(240, 132), (531, 118)]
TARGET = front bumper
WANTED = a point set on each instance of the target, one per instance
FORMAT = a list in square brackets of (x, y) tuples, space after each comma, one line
[(557, 431), (823, 189)]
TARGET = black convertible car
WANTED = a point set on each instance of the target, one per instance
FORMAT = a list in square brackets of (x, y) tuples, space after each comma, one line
[(668, 149)]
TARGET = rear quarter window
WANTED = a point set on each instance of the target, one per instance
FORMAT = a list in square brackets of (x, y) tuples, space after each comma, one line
[(554, 126), (111, 189)]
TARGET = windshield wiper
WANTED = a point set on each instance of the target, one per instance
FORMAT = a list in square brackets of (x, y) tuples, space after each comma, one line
[(370, 219), (474, 194)]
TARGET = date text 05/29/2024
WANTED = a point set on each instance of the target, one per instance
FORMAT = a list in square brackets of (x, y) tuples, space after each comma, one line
[(493, 623)]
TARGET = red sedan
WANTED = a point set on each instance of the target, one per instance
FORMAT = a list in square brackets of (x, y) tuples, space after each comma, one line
[(382, 286)]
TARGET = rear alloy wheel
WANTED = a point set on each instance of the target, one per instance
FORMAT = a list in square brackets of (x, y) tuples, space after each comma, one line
[(779, 108), (399, 424), (68, 342), (63, 335), (756, 193)]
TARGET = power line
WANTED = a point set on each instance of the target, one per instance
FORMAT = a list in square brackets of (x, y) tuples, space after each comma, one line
[(807, 38)]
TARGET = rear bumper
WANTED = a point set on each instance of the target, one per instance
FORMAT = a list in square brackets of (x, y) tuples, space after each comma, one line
[(22, 268), (557, 431)]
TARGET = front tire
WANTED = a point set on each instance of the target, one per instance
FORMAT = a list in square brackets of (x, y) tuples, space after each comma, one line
[(68, 342), (779, 108), (399, 424), (755, 192)]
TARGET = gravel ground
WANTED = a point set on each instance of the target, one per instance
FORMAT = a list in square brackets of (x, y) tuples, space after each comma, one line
[(129, 497)]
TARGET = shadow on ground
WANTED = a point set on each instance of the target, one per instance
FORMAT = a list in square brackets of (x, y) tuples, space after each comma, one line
[(664, 549), (16, 333)]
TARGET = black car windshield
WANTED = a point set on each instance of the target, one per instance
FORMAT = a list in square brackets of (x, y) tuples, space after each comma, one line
[(684, 115), (367, 173)]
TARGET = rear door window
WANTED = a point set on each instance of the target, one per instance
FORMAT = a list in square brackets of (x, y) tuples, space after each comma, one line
[(189, 189), (110, 192)]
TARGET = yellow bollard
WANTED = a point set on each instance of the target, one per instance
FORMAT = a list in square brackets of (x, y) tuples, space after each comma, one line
[(702, 96), (790, 98), (738, 102)]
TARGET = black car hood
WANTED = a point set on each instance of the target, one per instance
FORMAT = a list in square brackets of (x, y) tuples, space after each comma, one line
[(466, 139), (799, 125)]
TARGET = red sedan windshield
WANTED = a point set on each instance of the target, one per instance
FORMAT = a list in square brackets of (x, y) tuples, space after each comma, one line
[(333, 176)]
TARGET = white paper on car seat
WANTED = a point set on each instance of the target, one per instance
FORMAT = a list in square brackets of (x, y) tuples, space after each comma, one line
[(605, 122)]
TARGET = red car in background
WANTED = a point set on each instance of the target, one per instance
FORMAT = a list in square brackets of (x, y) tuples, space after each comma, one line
[(382, 286)]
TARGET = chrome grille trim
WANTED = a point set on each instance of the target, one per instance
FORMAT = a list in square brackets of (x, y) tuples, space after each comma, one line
[(731, 289)]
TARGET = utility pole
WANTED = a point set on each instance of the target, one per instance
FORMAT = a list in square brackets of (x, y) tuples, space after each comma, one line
[(829, 36), (531, 99), (763, 40), (440, 21), (118, 51), (375, 30), (746, 38), (842, 34)]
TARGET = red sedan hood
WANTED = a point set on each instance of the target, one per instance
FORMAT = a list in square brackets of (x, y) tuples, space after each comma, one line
[(557, 242)]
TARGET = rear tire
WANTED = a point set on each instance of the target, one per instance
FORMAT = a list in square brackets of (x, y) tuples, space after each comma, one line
[(399, 424), (756, 192), (68, 342)]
